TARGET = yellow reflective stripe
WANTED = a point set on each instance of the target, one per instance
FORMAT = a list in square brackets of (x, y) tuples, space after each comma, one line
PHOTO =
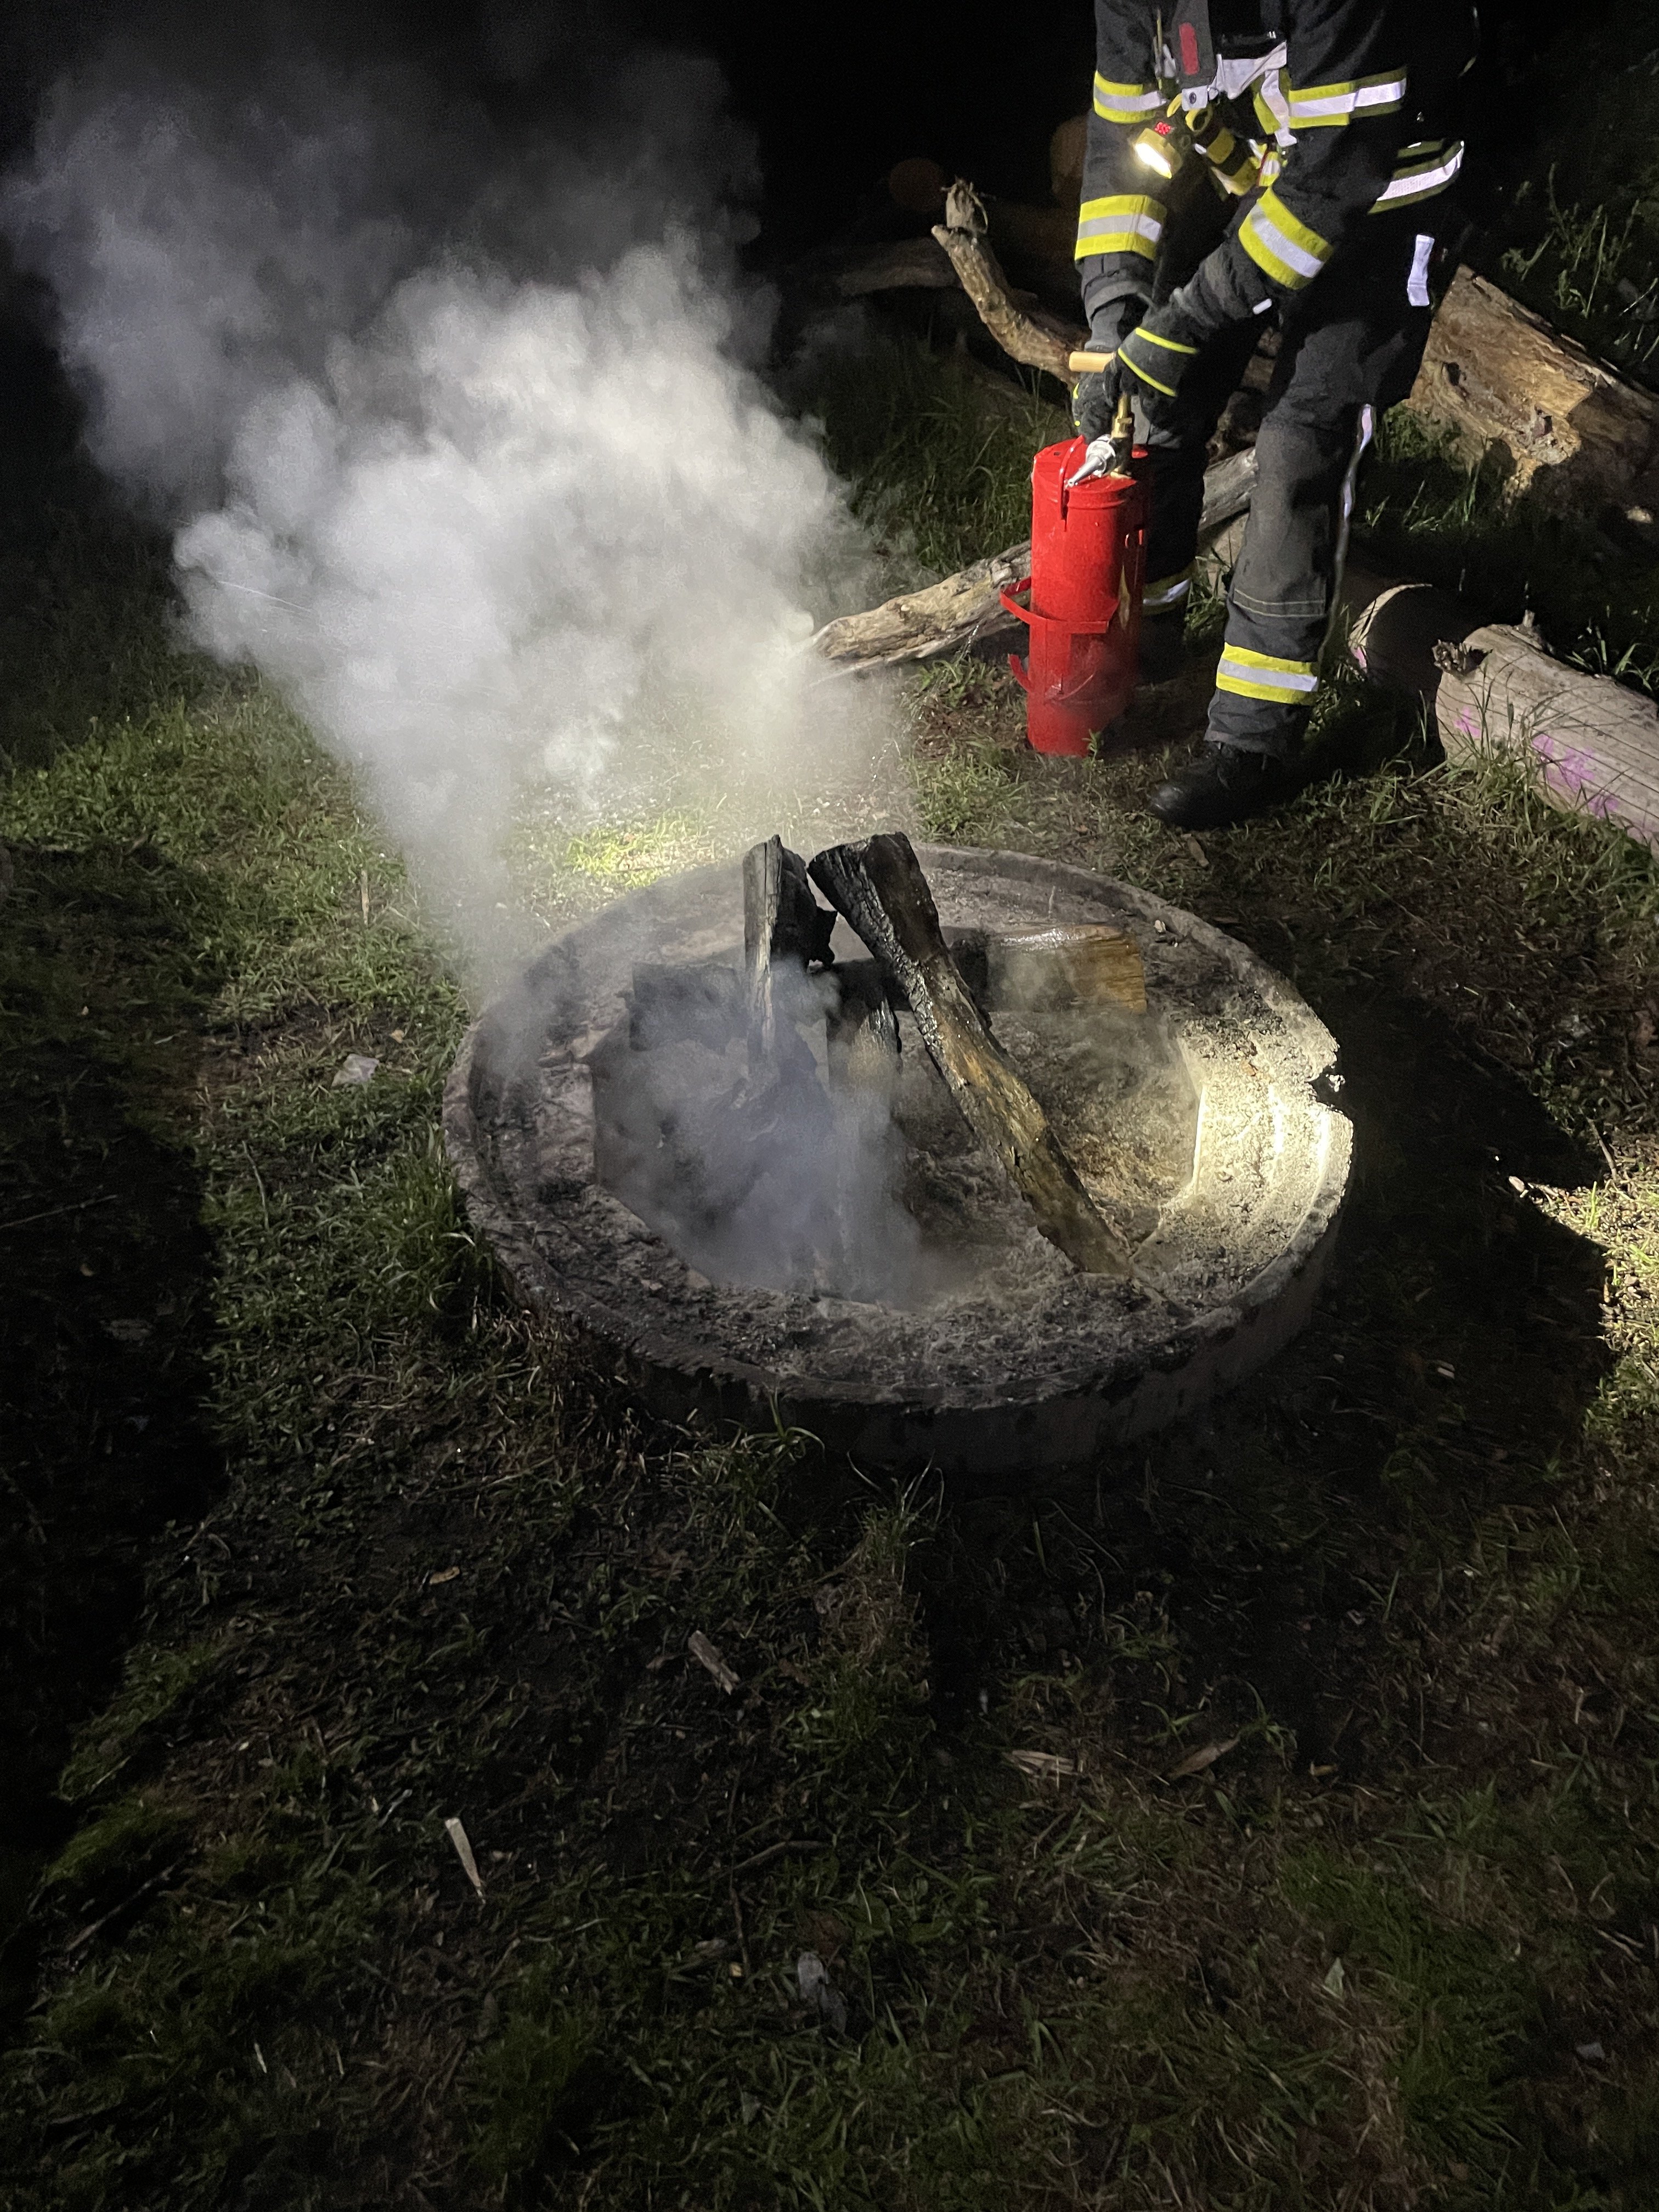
[(1167, 592), (1282, 246), (1151, 338), (1249, 660), (1126, 224), (1420, 179), (1134, 366), (1234, 164), (1323, 105), (1261, 676), (1125, 103)]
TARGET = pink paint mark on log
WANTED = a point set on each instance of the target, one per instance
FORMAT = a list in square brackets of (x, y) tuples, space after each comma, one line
[(1572, 769), (1466, 724)]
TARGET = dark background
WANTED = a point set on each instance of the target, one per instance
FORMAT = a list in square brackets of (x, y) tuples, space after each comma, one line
[(834, 93)]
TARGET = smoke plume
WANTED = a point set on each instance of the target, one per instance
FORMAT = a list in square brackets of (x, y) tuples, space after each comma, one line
[(461, 435)]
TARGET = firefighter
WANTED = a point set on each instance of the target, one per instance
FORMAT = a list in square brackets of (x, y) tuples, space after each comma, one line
[(1255, 163)]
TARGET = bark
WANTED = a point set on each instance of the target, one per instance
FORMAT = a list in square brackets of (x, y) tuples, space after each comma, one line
[(879, 887), (1027, 334), (1574, 432)]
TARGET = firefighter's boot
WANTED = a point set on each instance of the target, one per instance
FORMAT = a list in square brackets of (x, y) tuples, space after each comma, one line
[(1225, 784)]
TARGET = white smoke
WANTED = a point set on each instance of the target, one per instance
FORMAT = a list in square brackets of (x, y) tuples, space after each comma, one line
[(463, 443)]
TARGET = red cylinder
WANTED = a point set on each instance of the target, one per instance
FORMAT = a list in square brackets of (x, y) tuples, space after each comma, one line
[(1088, 547)]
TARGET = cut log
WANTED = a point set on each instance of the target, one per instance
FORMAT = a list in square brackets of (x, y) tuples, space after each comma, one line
[(1494, 688), (879, 885), (1579, 435), (1027, 334)]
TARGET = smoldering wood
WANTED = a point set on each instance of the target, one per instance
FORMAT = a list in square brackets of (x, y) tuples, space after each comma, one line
[(879, 885), (862, 1032), (1068, 967), (781, 921), (762, 896), (1073, 964)]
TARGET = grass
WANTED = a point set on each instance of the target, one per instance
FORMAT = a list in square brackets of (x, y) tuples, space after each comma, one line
[(344, 1546)]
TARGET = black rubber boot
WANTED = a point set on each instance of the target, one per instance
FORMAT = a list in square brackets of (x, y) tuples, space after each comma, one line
[(1224, 784)]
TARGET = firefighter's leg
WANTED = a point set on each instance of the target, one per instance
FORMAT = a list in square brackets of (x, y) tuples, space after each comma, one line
[(1352, 344), (1176, 459)]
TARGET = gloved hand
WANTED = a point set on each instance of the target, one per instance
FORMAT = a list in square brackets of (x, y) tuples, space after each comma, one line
[(1094, 400), (1095, 394), (1154, 357)]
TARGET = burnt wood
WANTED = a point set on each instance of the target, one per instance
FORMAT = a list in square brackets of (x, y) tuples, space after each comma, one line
[(879, 885)]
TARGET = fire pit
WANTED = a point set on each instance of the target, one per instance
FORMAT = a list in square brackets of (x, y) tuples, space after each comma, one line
[(851, 1245)]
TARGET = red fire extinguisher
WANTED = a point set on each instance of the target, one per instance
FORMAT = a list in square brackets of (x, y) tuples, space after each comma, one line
[(1088, 553)]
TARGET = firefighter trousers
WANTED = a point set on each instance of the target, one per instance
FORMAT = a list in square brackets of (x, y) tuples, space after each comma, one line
[(1350, 346)]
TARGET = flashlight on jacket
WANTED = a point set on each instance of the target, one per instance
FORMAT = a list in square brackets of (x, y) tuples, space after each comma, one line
[(1162, 146)]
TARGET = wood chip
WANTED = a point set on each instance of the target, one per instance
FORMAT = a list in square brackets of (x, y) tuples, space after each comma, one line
[(1196, 850), (1042, 1765), (458, 1836), (1196, 1761), (443, 1575), (706, 1656)]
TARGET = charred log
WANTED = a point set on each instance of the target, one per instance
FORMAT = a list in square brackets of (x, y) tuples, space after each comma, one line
[(879, 885)]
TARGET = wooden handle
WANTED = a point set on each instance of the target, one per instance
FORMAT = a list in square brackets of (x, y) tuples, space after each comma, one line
[(1083, 364)]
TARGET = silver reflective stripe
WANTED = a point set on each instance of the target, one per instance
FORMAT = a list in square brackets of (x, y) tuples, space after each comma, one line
[(1114, 226), (1155, 602), (1362, 436), (1417, 284), (1270, 679), (1303, 107), (1421, 184), (1282, 248)]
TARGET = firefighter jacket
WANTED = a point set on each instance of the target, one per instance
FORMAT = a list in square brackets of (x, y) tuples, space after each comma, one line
[(1315, 115)]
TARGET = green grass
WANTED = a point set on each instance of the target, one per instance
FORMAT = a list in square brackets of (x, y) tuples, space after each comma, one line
[(431, 1563)]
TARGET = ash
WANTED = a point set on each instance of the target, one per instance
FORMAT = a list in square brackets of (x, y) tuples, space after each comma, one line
[(856, 1178)]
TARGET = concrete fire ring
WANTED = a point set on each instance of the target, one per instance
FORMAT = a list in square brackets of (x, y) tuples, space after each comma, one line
[(1227, 1277)]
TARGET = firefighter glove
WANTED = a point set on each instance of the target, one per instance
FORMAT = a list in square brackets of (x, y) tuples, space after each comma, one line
[(1094, 400), (1154, 358), (1095, 395)]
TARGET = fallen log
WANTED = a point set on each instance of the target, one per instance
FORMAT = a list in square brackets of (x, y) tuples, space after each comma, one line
[(1494, 688), (966, 609), (907, 265), (1027, 334), (879, 885), (1576, 432)]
